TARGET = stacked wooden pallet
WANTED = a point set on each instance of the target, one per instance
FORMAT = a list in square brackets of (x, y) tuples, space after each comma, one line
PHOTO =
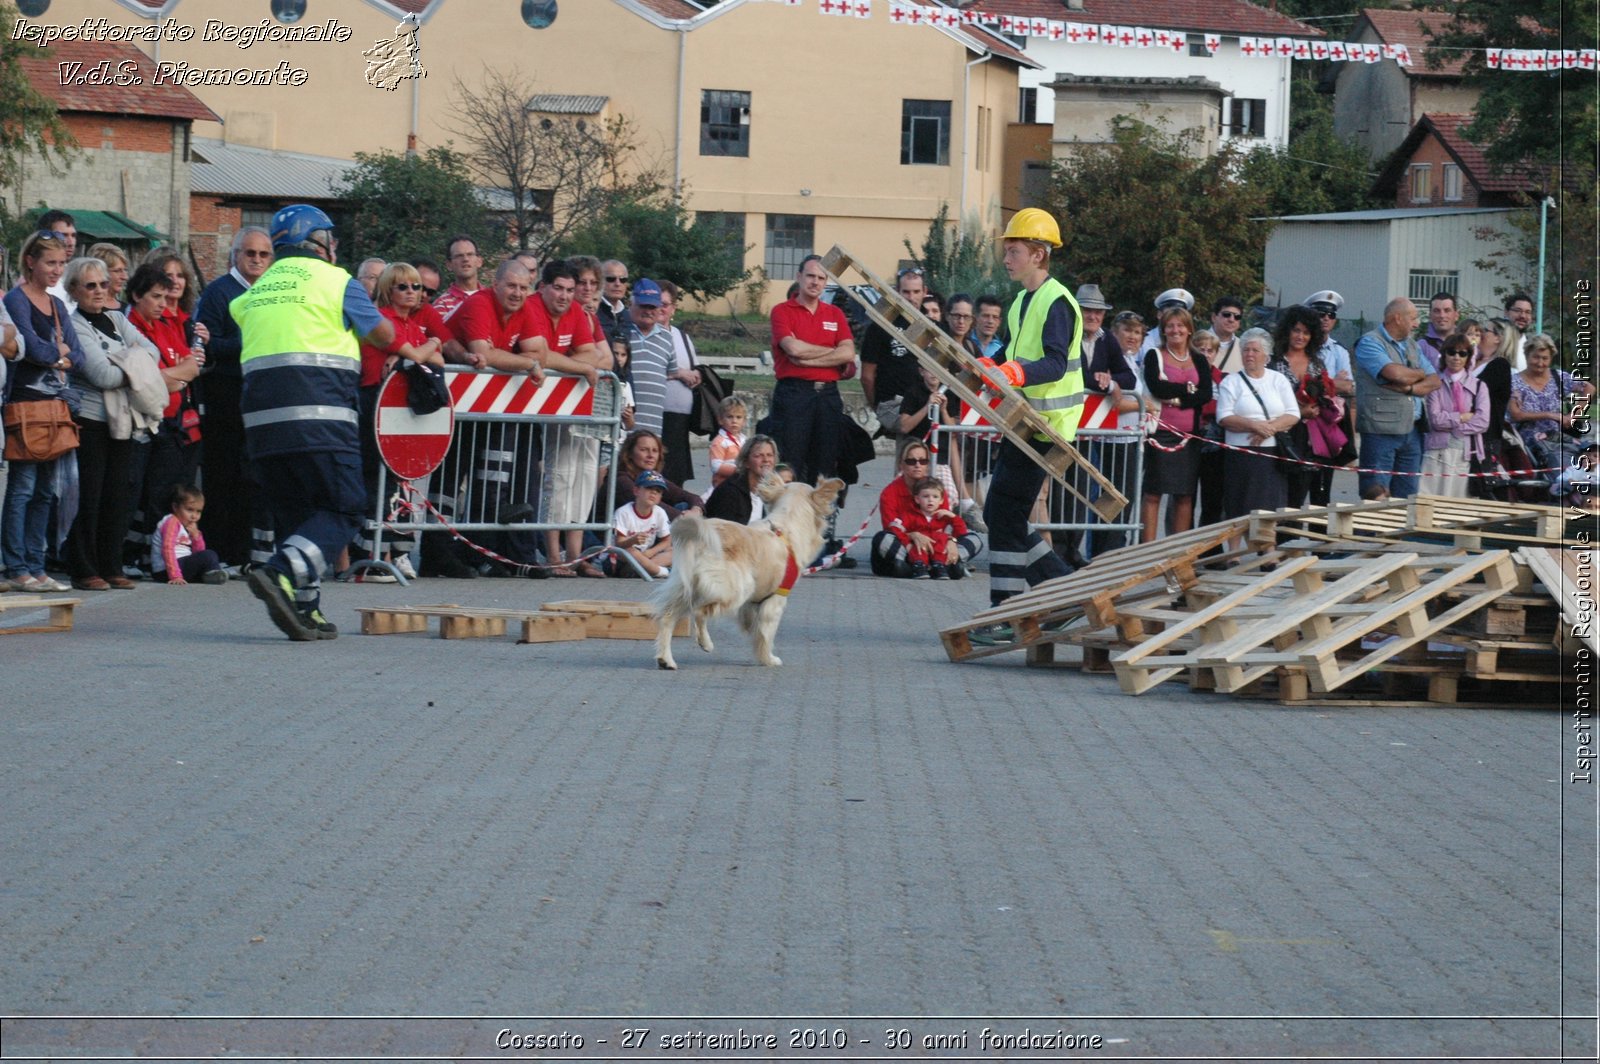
[(1321, 602)]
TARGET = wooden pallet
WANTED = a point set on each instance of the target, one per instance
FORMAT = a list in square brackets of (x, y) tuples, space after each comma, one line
[(961, 373), (473, 622), (1335, 603), (615, 620), (60, 612), (1090, 596), (1464, 523)]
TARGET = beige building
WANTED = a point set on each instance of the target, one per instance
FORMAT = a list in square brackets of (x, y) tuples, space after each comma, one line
[(798, 128)]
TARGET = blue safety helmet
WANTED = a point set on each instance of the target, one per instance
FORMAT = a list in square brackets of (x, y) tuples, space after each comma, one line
[(295, 223)]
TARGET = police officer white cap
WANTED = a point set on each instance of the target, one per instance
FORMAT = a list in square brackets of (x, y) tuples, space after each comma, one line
[(1175, 297), (1327, 301)]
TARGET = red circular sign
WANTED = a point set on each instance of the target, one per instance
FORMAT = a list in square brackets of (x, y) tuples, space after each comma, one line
[(411, 445)]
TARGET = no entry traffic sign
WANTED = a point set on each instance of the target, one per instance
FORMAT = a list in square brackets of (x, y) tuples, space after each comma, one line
[(411, 445)]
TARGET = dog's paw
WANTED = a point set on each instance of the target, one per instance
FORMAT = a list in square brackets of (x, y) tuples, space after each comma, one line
[(773, 661), (667, 664), (706, 645)]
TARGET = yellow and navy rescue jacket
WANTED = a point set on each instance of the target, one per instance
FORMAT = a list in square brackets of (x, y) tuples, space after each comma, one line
[(301, 362), (1060, 402)]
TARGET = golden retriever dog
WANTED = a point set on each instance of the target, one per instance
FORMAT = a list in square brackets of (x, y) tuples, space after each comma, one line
[(720, 566)]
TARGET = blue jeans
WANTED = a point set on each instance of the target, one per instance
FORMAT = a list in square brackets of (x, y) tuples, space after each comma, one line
[(24, 527), (1394, 454)]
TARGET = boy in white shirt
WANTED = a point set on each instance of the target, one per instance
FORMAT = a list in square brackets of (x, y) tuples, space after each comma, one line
[(641, 526)]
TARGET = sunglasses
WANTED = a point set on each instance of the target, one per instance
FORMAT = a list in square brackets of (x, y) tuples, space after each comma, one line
[(910, 271), (1459, 352), (915, 461), (51, 234), (404, 286), (616, 280), (1231, 314), (92, 286), (1326, 314)]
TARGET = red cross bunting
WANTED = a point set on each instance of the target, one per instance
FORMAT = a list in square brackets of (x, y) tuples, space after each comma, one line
[(1248, 46)]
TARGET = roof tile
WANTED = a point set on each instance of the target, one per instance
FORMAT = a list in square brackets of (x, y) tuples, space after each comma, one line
[(43, 70), (1414, 29)]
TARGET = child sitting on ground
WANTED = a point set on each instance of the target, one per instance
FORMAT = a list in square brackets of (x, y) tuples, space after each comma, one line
[(641, 526), (178, 553), (729, 440), (929, 533)]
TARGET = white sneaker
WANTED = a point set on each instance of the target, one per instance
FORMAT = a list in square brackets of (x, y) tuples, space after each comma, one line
[(403, 563), (972, 513), (375, 576)]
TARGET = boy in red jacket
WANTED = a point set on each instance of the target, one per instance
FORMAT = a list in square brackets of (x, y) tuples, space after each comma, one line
[(929, 533)]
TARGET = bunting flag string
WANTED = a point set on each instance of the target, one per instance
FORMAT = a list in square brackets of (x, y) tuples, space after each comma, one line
[(909, 13)]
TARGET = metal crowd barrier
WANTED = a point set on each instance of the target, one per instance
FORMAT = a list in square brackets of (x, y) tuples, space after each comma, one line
[(969, 453), (514, 465)]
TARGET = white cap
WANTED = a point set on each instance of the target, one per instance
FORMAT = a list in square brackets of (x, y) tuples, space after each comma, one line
[(1327, 299), (1175, 297)]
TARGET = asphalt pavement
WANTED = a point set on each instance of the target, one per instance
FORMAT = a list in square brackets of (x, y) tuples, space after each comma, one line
[(868, 852)]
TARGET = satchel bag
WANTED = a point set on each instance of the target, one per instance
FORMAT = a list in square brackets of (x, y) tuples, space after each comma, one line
[(1287, 447), (39, 430), (708, 397)]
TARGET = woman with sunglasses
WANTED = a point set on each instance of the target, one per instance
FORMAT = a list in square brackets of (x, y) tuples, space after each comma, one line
[(47, 349), (123, 395), (1457, 415)]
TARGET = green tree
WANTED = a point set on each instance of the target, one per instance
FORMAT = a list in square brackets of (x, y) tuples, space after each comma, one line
[(1315, 172), (402, 207), (1541, 124), (1142, 213), (963, 260), (29, 125), (657, 239)]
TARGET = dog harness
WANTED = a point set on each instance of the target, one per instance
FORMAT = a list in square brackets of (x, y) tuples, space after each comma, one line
[(791, 568)]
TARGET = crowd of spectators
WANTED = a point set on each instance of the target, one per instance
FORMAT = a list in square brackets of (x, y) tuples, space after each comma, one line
[(1230, 419)]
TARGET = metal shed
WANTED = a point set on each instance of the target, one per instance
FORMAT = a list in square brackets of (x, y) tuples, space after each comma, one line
[(1370, 257)]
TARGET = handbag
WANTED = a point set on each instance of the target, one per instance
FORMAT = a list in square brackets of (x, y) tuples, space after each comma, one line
[(1288, 449), (39, 430), (708, 397)]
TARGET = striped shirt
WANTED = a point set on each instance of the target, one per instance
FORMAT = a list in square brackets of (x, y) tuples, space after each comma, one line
[(651, 359)]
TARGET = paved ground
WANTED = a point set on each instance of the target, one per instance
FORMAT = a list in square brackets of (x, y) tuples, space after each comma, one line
[(203, 819)]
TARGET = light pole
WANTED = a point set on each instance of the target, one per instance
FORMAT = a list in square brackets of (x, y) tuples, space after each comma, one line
[(1538, 299)]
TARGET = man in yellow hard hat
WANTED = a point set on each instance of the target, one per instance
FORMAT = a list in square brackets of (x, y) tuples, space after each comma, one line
[(1042, 356)]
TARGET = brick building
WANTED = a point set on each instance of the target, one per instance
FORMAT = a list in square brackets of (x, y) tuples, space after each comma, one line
[(1436, 166), (129, 181)]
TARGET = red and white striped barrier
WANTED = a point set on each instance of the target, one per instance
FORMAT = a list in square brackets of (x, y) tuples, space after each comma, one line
[(1098, 413), (516, 393)]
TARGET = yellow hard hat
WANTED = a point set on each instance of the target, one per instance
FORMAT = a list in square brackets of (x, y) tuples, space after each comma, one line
[(1031, 223)]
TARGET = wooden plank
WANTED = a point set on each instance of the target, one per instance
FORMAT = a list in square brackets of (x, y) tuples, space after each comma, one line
[(1568, 577), (1014, 417), (60, 611)]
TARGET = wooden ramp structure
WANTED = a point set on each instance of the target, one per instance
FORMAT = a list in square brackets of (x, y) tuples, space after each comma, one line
[(961, 373), (1320, 604)]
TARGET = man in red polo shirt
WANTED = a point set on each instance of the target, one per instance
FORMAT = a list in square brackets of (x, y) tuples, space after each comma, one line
[(498, 331), (566, 342), (464, 261), (812, 351), (495, 325)]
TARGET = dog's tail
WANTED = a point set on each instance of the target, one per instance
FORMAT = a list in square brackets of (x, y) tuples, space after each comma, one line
[(696, 553)]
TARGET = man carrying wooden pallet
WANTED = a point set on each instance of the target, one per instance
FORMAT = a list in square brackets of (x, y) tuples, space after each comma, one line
[(1042, 357)]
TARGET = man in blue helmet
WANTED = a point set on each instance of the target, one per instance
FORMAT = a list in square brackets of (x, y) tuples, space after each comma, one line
[(301, 325)]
